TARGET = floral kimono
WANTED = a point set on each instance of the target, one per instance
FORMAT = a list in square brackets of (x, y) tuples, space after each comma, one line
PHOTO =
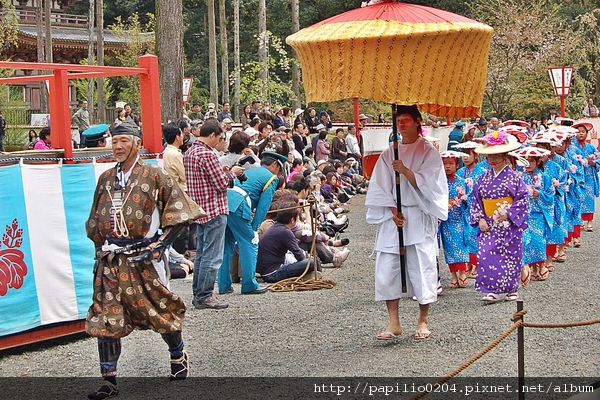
[(454, 231), (500, 255), (541, 216)]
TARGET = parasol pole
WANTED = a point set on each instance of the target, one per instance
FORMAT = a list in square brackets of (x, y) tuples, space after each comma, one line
[(356, 121), (399, 204)]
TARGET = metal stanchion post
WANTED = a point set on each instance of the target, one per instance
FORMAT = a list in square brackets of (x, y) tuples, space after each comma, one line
[(521, 353)]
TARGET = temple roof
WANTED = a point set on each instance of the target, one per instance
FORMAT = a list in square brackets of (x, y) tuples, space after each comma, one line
[(74, 35)]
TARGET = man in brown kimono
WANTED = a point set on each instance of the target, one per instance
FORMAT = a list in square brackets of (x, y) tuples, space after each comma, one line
[(131, 202)]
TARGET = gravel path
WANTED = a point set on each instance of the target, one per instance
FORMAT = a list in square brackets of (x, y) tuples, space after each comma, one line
[(331, 332)]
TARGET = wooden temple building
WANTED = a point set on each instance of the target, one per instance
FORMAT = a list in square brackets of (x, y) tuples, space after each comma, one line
[(70, 38)]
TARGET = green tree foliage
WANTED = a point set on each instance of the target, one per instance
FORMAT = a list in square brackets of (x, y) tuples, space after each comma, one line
[(279, 64), (531, 35), (81, 86), (140, 41), (8, 36), (119, 9), (8, 23)]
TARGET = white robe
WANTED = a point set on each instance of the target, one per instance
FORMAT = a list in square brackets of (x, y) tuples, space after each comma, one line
[(421, 207)]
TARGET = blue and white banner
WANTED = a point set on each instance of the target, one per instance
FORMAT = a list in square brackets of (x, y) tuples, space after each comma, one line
[(46, 259)]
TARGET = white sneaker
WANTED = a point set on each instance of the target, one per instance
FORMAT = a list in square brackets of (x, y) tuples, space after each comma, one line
[(340, 257), (336, 220)]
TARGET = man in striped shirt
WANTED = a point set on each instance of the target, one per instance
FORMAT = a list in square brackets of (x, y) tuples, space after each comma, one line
[(207, 183)]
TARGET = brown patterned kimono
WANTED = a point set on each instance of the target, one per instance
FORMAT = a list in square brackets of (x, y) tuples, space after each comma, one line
[(131, 296)]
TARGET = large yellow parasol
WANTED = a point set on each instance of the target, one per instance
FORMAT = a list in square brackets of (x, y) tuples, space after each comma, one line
[(397, 53)]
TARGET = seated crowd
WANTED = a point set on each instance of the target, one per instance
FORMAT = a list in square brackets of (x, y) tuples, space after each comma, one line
[(308, 189)]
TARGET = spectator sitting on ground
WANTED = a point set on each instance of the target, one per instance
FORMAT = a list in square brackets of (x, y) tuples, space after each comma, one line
[(179, 265), (329, 189), (321, 165), (310, 154), (348, 171), (296, 169), (273, 246), (324, 245), (347, 180)]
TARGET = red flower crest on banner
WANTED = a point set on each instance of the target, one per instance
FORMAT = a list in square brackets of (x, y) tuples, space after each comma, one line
[(12, 266)]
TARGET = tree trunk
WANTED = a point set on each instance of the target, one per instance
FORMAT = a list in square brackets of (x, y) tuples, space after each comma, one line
[(263, 71), (48, 14), (41, 57), (169, 48), (295, 68), (212, 53), (90, 95), (101, 110), (224, 52), (236, 58)]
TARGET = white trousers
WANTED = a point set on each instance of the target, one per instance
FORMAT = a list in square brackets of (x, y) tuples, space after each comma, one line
[(421, 271)]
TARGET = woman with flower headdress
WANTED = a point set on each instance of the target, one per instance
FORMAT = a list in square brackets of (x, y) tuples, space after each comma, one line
[(471, 173), (586, 155), (540, 219), (453, 232), (499, 208)]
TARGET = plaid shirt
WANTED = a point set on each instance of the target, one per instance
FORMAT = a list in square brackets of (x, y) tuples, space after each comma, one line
[(206, 182)]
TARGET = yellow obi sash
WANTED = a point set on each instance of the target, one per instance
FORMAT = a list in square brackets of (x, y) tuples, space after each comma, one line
[(489, 205)]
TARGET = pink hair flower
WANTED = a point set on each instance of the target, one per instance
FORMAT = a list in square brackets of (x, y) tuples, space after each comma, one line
[(495, 138)]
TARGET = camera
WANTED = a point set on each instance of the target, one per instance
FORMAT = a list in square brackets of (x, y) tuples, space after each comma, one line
[(241, 161)]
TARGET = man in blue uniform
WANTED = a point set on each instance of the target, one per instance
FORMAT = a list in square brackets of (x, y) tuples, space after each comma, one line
[(254, 194)]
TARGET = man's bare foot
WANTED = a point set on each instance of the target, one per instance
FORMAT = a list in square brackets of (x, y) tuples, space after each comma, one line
[(422, 330), (391, 332)]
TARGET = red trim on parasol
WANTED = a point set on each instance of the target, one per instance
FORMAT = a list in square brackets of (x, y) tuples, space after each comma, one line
[(399, 12)]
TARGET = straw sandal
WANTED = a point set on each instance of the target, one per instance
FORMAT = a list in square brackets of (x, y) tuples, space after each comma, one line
[(180, 368), (108, 389), (525, 280)]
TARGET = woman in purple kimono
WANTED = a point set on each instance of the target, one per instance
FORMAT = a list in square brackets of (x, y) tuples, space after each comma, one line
[(471, 173), (499, 208)]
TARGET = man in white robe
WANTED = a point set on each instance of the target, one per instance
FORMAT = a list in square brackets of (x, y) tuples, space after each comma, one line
[(424, 197)]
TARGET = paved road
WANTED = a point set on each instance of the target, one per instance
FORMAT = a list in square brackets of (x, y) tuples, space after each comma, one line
[(331, 332)]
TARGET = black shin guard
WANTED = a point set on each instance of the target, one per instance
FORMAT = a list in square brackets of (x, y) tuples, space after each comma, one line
[(175, 343), (109, 351), (180, 365)]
